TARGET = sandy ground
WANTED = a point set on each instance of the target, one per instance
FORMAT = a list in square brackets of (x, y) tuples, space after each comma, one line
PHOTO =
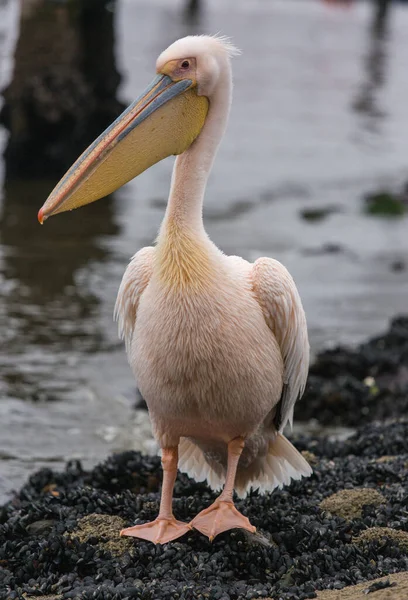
[(397, 592)]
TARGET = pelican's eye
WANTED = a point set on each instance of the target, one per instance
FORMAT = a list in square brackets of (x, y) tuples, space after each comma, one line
[(183, 68)]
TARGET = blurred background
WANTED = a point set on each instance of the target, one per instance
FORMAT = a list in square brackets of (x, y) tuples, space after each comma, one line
[(313, 171)]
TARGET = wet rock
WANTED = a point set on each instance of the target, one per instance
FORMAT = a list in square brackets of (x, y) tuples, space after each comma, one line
[(385, 203), (318, 214), (40, 527), (350, 386), (383, 535), (398, 266), (349, 504), (160, 203), (379, 585), (140, 402), (192, 9), (328, 248), (64, 85)]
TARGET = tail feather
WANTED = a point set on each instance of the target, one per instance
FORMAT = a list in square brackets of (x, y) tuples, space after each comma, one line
[(193, 462), (277, 468)]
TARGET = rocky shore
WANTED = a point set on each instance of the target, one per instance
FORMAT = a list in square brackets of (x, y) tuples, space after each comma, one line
[(350, 386), (345, 525)]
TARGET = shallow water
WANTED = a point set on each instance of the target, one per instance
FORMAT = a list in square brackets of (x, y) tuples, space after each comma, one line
[(319, 119)]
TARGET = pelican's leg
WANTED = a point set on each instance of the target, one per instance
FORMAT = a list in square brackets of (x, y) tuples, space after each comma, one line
[(222, 514), (165, 528)]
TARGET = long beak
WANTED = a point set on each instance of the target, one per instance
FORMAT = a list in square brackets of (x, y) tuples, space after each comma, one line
[(165, 120)]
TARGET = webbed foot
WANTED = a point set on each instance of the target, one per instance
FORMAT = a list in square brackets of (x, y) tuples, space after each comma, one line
[(159, 531), (219, 517)]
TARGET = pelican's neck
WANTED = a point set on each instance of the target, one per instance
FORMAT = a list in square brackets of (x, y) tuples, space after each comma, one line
[(192, 168)]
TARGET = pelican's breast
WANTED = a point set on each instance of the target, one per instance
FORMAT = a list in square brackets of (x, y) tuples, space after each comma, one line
[(202, 352)]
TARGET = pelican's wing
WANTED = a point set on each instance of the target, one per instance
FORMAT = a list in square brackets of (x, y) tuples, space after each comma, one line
[(134, 282), (279, 299)]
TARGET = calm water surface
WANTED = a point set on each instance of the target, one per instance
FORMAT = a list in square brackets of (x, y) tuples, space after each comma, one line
[(319, 119)]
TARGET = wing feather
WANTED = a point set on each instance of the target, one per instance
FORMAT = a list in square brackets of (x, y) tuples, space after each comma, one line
[(134, 282), (282, 307)]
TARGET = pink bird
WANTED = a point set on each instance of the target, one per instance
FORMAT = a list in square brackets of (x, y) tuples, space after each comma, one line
[(218, 346)]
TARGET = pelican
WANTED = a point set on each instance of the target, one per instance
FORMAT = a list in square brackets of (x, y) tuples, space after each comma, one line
[(218, 346)]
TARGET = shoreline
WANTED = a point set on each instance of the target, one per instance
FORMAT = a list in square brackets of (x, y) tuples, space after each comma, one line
[(345, 525)]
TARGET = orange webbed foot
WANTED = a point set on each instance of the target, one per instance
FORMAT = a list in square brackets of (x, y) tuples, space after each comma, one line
[(159, 531), (219, 517)]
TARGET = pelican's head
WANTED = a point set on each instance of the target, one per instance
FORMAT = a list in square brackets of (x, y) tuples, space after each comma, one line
[(164, 120)]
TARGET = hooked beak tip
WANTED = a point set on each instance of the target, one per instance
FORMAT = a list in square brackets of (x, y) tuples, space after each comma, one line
[(41, 216)]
